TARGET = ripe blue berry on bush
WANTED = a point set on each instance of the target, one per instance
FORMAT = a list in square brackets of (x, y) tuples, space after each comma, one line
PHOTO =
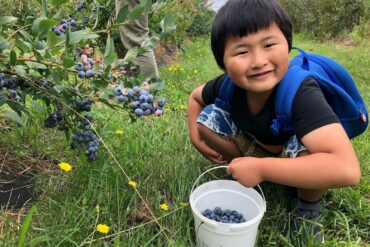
[(86, 62), (63, 26), (84, 138), (54, 119), (224, 216), (140, 100), (13, 86), (80, 6)]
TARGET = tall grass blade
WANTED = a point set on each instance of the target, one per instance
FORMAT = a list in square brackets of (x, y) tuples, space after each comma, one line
[(26, 224)]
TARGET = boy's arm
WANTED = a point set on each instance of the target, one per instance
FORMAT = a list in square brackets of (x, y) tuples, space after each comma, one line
[(195, 106), (331, 163)]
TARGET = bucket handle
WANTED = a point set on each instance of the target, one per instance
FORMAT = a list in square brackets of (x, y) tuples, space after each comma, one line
[(218, 167)]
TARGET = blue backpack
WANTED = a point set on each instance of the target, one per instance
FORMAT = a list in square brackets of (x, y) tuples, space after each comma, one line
[(336, 83)]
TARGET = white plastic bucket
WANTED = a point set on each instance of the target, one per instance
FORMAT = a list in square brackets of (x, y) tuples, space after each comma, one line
[(232, 195)]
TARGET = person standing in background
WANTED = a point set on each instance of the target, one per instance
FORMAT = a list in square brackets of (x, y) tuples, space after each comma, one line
[(135, 33)]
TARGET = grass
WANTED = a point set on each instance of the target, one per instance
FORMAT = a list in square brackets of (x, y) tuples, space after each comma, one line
[(156, 153)]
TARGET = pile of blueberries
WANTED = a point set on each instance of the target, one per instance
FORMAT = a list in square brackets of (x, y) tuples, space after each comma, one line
[(63, 26), (224, 216), (86, 139), (84, 67), (140, 100)]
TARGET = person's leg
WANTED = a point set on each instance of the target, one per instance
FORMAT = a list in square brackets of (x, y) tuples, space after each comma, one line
[(225, 147), (216, 127), (135, 34), (304, 206)]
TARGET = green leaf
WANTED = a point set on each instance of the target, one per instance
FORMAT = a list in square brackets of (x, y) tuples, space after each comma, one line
[(3, 97), (37, 106), (109, 46), (136, 12), (90, 36), (36, 241), (26, 35), (45, 26), (109, 54), (131, 54), (57, 75), (147, 5), (100, 84), (75, 37), (7, 19), (52, 39), (58, 88), (122, 14), (26, 224), (35, 65), (20, 69), (105, 100), (3, 44), (157, 86), (22, 45), (68, 62), (168, 23), (13, 58), (35, 25), (12, 116)]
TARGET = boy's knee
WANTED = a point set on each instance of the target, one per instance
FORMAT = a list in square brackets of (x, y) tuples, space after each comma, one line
[(216, 120)]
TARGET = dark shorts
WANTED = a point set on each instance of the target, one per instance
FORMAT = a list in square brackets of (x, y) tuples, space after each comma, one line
[(220, 122)]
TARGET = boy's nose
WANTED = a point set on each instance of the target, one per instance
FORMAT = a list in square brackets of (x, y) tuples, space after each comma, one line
[(259, 59)]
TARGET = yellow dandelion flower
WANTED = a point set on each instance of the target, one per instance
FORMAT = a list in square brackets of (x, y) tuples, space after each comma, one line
[(65, 166), (184, 203), (120, 132), (182, 107), (102, 228), (132, 183), (170, 68), (164, 206)]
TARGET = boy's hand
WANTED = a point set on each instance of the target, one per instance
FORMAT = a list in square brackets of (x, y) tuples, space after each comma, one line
[(246, 170)]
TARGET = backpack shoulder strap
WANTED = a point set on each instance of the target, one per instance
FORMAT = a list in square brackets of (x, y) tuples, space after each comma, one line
[(224, 97), (286, 91)]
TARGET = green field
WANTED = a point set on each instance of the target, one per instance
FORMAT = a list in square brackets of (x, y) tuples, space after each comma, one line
[(156, 153)]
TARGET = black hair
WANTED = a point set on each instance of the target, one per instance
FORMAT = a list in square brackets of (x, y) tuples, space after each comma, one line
[(239, 18)]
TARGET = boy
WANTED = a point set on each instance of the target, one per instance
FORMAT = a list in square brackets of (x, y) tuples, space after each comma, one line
[(251, 40)]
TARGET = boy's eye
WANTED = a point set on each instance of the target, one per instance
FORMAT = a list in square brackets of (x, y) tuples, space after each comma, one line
[(269, 45), (241, 52)]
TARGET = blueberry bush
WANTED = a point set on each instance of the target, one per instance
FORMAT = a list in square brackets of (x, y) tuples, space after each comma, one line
[(55, 62)]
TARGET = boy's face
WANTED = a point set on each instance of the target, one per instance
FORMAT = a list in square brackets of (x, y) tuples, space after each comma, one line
[(257, 62)]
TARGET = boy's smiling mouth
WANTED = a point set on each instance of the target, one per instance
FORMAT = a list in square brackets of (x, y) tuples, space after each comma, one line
[(260, 75)]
